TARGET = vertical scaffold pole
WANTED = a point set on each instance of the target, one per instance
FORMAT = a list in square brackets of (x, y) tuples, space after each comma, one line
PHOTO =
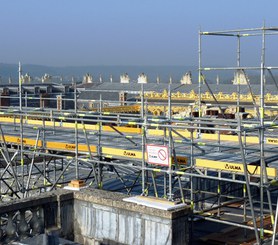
[(264, 177), (237, 76), (165, 143), (144, 120), (261, 137), (275, 224), (191, 165), (170, 195), (21, 123), (76, 134), (20, 86), (100, 184), (44, 148), (247, 180), (199, 81)]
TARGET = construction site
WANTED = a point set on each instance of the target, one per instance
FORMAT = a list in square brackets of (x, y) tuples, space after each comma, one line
[(213, 152)]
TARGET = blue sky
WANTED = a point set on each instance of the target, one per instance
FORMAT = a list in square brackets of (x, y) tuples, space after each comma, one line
[(127, 32)]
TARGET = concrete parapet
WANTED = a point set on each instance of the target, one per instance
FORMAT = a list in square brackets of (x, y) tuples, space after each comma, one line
[(29, 217), (102, 217), (92, 217)]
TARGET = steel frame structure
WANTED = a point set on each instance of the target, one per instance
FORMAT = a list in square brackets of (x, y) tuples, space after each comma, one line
[(264, 184), (45, 149)]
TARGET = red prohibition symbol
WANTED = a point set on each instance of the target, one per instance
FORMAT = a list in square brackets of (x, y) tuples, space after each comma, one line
[(162, 155)]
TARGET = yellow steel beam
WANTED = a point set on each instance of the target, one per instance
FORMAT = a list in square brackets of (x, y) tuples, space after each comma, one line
[(122, 129), (272, 141), (108, 152), (234, 138), (132, 130), (52, 145), (16, 140), (233, 167), (133, 154), (111, 152)]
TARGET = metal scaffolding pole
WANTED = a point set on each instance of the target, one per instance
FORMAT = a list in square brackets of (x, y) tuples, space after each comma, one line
[(238, 82), (76, 134), (143, 118), (21, 124), (248, 183), (99, 149), (199, 79), (32, 163), (275, 224), (261, 136), (264, 176), (170, 194)]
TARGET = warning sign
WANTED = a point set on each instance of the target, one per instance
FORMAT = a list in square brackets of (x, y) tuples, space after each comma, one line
[(158, 154)]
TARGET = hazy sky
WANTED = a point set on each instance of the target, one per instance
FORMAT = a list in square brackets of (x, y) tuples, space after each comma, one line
[(127, 32)]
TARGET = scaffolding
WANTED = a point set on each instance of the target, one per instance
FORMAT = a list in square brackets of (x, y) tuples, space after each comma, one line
[(262, 123), (224, 168)]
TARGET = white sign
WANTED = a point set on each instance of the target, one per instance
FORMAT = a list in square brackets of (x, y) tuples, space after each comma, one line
[(158, 154)]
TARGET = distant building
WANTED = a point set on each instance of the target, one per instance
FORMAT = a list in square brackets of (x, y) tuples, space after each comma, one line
[(42, 96), (186, 78), (88, 78), (217, 80), (240, 78), (46, 78), (26, 78), (157, 79), (142, 78), (122, 98), (124, 78)]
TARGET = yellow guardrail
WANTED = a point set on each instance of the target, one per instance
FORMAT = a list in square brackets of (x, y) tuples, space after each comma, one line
[(109, 152), (233, 167), (133, 130)]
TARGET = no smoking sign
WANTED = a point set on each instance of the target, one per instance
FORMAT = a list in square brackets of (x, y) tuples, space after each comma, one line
[(158, 154)]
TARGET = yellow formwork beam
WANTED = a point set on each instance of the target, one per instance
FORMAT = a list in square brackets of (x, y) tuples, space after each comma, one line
[(233, 138), (9, 120), (79, 125), (233, 167), (132, 130), (50, 144), (70, 125), (69, 147), (159, 132), (108, 152), (122, 129), (17, 140), (273, 141), (133, 154)]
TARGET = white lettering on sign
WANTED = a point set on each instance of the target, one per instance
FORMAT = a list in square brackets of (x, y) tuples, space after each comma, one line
[(158, 154)]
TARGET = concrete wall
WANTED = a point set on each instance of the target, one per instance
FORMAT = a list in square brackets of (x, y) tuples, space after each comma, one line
[(65, 217), (103, 218), (95, 217)]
